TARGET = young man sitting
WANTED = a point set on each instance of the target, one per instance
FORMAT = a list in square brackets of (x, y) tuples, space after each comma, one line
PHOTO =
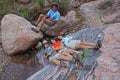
[(49, 19)]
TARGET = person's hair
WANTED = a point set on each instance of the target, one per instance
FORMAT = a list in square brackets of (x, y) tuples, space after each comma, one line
[(59, 38), (44, 45), (54, 4)]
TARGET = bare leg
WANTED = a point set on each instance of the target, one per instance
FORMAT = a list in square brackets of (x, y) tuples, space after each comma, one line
[(39, 19), (83, 46), (71, 51), (40, 25), (87, 43), (65, 58), (67, 54), (55, 61)]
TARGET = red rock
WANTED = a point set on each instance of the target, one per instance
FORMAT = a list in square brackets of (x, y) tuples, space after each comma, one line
[(109, 60), (75, 3)]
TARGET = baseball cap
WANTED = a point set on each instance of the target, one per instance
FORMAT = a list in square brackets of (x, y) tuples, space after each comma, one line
[(45, 41)]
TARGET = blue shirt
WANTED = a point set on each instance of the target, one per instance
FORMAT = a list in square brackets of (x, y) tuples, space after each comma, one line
[(54, 15), (66, 40)]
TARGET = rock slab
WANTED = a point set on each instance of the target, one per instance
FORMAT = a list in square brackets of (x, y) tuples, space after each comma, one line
[(109, 61)]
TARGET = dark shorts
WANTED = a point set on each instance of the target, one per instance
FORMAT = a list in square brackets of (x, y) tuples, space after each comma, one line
[(49, 22)]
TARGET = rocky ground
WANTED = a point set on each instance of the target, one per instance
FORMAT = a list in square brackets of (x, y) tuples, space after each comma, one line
[(23, 65), (19, 66)]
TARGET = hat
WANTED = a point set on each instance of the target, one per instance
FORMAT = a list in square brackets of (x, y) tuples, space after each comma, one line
[(45, 41), (54, 4)]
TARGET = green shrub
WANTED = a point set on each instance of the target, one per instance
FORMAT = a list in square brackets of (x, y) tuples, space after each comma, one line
[(33, 10), (40, 2), (64, 5), (4, 5), (25, 14), (5, 2)]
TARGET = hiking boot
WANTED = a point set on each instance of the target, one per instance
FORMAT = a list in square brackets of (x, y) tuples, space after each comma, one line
[(79, 65), (63, 64), (98, 45), (74, 55), (35, 30)]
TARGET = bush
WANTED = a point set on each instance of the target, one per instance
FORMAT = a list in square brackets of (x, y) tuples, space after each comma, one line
[(40, 2), (64, 5), (25, 14), (30, 11)]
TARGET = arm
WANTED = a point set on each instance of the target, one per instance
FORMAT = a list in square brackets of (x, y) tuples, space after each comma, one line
[(55, 49), (72, 51), (46, 56), (53, 20), (61, 46), (57, 18), (48, 14)]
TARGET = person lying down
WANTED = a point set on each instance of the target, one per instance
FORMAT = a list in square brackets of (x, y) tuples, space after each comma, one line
[(58, 57), (66, 53)]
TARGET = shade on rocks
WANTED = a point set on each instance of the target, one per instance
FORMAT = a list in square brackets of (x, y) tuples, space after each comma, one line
[(17, 35)]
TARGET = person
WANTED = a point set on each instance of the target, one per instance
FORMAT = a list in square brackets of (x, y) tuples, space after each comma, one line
[(47, 48), (57, 57), (56, 45), (78, 44), (64, 54), (52, 17)]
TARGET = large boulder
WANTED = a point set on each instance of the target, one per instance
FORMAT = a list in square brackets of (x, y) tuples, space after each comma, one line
[(111, 18), (75, 3), (111, 13), (91, 13), (109, 61), (101, 12), (17, 35), (91, 5)]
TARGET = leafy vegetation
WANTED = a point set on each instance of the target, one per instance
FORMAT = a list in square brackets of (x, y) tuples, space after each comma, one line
[(31, 10), (25, 14), (40, 2)]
